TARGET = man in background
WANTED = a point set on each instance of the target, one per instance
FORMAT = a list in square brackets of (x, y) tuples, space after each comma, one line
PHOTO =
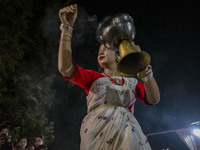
[(5, 139)]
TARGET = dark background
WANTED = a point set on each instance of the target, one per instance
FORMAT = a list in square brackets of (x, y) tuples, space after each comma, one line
[(167, 30)]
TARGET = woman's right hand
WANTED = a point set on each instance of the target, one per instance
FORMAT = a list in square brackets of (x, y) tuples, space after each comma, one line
[(68, 15)]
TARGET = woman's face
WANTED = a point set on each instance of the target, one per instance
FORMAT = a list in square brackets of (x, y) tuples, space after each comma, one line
[(106, 56), (38, 141), (22, 143)]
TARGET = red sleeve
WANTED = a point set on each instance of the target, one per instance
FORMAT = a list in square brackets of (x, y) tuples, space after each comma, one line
[(140, 92), (83, 78)]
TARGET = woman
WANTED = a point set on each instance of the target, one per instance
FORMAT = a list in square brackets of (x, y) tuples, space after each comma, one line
[(109, 124), (21, 144), (38, 140)]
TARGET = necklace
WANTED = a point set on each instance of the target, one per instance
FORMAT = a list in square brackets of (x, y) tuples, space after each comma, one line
[(114, 81)]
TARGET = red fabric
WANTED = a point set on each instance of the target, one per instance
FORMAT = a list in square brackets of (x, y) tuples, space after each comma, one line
[(13, 148), (140, 92), (83, 78), (131, 107)]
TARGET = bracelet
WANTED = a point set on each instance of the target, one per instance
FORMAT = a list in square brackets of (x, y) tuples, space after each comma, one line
[(145, 76), (67, 27), (65, 34), (68, 24), (150, 72)]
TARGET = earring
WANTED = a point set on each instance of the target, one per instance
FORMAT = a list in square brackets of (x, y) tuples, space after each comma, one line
[(117, 58)]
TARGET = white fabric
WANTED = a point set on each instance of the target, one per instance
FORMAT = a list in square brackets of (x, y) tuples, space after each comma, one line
[(112, 128)]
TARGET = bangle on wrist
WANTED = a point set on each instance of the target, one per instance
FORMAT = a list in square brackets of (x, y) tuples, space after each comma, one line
[(145, 76), (68, 24), (66, 34), (66, 27)]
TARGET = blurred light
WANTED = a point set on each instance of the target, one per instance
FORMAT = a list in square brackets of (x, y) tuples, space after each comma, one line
[(196, 123), (196, 132)]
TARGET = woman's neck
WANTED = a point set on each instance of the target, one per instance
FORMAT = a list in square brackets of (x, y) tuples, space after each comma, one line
[(111, 72), (111, 69)]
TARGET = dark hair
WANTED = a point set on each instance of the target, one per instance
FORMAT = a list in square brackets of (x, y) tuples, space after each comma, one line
[(22, 137), (4, 127)]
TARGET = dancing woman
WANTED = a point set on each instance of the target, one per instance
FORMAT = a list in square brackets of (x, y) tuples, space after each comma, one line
[(110, 123)]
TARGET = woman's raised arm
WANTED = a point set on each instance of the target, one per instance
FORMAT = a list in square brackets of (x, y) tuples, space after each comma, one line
[(68, 17)]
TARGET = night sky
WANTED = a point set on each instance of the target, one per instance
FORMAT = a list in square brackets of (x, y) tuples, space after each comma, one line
[(169, 32)]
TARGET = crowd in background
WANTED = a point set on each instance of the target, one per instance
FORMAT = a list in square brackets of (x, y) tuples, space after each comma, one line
[(22, 143)]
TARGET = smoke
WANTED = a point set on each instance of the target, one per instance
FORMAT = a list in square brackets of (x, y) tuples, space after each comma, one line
[(69, 108), (50, 25), (84, 25), (175, 69), (92, 19), (178, 108)]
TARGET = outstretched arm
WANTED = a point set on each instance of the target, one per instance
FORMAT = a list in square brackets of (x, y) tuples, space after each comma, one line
[(68, 17)]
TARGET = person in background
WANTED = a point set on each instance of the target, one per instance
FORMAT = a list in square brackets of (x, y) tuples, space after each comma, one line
[(30, 147), (5, 139), (22, 143), (38, 140), (42, 147)]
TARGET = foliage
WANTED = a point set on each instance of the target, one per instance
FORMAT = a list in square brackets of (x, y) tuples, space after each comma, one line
[(30, 89), (26, 74)]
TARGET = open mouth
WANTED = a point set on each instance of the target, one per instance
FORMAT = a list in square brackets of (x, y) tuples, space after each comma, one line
[(101, 57)]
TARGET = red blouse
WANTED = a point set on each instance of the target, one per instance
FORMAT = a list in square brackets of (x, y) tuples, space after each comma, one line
[(84, 78)]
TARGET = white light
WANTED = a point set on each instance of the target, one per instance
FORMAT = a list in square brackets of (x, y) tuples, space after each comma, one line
[(196, 132)]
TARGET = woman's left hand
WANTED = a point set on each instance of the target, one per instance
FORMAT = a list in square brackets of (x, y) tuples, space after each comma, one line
[(137, 47)]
